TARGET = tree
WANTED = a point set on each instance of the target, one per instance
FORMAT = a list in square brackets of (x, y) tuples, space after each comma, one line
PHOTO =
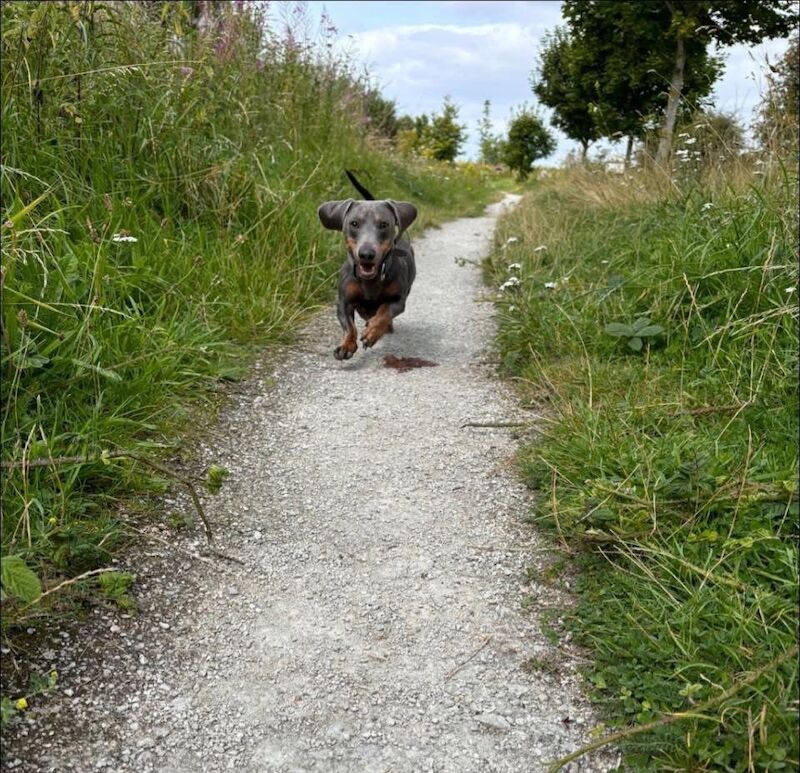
[(444, 137), (745, 21), (410, 132), (625, 53), (561, 83), (677, 34), (528, 140), (381, 113), (777, 124), (490, 145)]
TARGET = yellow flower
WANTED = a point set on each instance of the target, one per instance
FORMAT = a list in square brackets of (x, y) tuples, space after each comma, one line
[(21, 704), (52, 520)]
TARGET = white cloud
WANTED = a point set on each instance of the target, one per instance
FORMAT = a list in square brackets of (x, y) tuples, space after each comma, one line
[(473, 50), (417, 65)]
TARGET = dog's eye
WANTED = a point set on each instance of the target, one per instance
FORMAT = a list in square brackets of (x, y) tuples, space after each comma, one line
[(354, 223), (383, 225)]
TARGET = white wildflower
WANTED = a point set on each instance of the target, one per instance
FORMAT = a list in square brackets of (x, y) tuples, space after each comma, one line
[(708, 205), (514, 266), (690, 141), (684, 134), (540, 248), (512, 240), (123, 238), (790, 289), (551, 285), (512, 281)]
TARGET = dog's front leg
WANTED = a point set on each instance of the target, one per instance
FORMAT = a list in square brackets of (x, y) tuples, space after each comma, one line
[(381, 323), (348, 346)]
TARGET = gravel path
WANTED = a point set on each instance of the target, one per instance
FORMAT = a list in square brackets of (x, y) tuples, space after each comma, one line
[(377, 622)]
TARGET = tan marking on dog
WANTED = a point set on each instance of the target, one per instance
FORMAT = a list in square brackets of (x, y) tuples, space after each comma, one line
[(352, 291), (377, 326)]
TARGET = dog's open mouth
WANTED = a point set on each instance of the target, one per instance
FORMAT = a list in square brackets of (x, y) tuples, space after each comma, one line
[(367, 270)]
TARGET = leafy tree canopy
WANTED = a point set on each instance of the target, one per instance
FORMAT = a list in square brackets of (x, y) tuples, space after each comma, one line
[(528, 140)]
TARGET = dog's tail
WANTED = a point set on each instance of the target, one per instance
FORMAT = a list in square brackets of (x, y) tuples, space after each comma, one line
[(358, 186)]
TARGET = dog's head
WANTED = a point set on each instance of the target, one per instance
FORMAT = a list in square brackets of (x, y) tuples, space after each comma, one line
[(370, 229)]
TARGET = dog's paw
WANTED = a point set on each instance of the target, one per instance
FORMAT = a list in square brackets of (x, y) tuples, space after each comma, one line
[(369, 338), (343, 352)]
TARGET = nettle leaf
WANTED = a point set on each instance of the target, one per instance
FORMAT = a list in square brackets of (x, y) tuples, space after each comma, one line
[(104, 372), (619, 329), (18, 580), (215, 477), (650, 331), (635, 344), (24, 360)]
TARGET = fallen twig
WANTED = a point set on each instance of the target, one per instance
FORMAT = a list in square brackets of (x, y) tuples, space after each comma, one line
[(25, 464), (516, 549), (225, 556), (470, 658), (669, 719), (711, 409), (496, 424), (69, 582)]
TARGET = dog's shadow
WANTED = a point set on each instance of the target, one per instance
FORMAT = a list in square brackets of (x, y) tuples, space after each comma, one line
[(416, 340)]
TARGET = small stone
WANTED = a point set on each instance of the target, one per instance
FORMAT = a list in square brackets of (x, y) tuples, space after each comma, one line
[(233, 590), (494, 720)]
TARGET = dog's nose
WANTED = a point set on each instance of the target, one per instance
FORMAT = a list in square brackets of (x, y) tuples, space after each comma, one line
[(366, 254)]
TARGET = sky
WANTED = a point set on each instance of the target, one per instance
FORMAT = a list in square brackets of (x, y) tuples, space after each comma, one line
[(473, 50)]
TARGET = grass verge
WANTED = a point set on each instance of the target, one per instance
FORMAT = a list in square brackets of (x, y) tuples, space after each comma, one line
[(657, 322)]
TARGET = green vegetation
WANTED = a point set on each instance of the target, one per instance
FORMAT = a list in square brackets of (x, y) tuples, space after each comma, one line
[(160, 179), (528, 140), (438, 136), (619, 68), (657, 320)]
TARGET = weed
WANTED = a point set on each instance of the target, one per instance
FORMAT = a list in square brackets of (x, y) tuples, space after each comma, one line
[(115, 586), (38, 685), (535, 665)]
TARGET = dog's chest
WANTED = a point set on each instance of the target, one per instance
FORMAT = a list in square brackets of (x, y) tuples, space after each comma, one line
[(376, 293)]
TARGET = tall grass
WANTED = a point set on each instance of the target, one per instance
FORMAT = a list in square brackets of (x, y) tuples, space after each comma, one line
[(159, 192), (669, 462)]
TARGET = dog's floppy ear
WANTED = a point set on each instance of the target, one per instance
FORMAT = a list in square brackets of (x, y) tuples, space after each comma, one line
[(404, 213), (333, 213)]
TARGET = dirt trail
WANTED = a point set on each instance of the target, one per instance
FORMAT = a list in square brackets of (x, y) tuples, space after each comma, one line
[(377, 621)]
